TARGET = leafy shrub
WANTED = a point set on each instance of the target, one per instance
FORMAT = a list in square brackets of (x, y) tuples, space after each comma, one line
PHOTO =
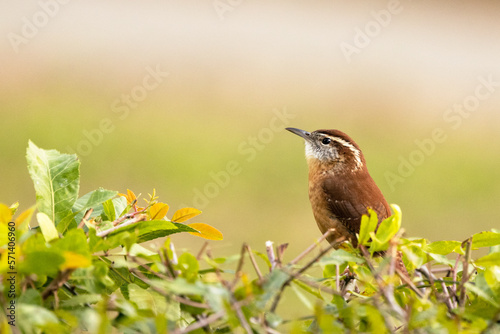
[(83, 269)]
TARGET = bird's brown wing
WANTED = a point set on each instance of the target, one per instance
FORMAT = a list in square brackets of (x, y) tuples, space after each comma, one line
[(349, 201)]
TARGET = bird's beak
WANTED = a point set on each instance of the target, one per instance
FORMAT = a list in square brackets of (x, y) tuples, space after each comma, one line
[(304, 134)]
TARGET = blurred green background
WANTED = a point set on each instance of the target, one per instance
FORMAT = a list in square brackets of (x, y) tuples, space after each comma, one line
[(233, 66)]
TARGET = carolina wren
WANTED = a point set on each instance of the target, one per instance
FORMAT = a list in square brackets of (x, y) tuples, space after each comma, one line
[(340, 188)]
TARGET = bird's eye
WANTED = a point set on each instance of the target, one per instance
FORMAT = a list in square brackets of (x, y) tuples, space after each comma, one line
[(326, 141)]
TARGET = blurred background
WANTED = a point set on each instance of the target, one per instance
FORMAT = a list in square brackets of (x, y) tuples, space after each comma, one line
[(192, 98)]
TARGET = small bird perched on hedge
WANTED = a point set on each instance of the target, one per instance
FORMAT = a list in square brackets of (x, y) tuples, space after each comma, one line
[(340, 187)]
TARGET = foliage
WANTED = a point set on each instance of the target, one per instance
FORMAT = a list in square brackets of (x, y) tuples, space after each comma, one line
[(83, 268)]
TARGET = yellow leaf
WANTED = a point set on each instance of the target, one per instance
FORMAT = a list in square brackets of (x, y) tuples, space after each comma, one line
[(182, 215), (74, 260), (158, 211), (206, 231), (130, 196), (5, 214), (47, 226), (24, 219)]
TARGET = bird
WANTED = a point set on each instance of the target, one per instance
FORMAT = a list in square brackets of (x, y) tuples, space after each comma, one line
[(341, 189)]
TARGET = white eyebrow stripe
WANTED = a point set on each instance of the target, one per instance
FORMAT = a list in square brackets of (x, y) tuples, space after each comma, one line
[(354, 150)]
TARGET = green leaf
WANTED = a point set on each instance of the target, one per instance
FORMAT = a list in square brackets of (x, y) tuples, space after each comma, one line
[(340, 257), (31, 296), (189, 266), (74, 241), (94, 200), (81, 300), (386, 230), (272, 285), (38, 316), (483, 292), (180, 286), (109, 209), (153, 229), (56, 178), (68, 222), (150, 301), (492, 259), (485, 239), (43, 262), (49, 231), (368, 224), (443, 247), (442, 259)]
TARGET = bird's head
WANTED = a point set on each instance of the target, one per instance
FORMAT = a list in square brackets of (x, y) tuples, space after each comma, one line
[(331, 147)]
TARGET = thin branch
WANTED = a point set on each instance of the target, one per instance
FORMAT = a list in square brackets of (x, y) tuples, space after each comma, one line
[(162, 292), (389, 297), (390, 326), (465, 272), (62, 277), (201, 323), (311, 247), (254, 262), (297, 273), (238, 269), (202, 250), (270, 254), (85, 218), (404, 278), (148, 268), (432, 279), (117, 227), (337, 276), (454, 278), (280, 251), (128, 215)]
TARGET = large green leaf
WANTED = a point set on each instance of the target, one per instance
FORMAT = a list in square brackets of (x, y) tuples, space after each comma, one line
[(153, 229), (56, 177), (141, 231), (485, 239), (443, 247), (94, 200)]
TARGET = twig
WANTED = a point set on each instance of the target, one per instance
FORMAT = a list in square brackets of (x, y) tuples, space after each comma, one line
[(202, 250), (432, 279), (311, 247), (383, 289), (238, 269), (280, 251), (201, 323), (318, 286), (148, 268), (85, 218), (337, 274), (117, 227), (162, 292), (454, 278), (387, 321), (270, 254), (61, 278), (465, 272), (237, 308), (254, 263), (409, 282), (128, 215), (296, 274)]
